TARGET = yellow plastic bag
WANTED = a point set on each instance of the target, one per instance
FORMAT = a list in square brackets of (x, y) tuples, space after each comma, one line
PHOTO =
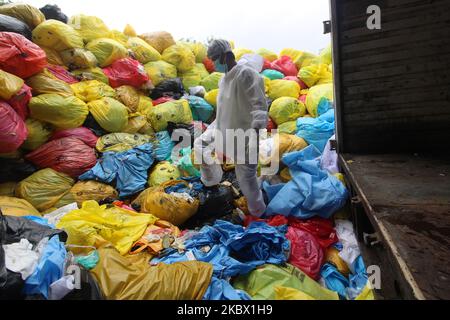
[(285, 293), (38, 134), (159, 40), (45, 82), (107, 51), (118, 36), (129, 31), (62, 112), (180, 56), (9, 84), (326, 55), (289, 127), (316, 94), (138, 280), (91, 74), (282, 143), (120, 142), (53, 56), (177, 111), (239, 52), (11, 206), (109, 113), (285, 175), (78, 58), (32, 16), (158, 71), (267, 54), (7, 189), (301, 59), (129, 96), (199, 50), (194, 77), (211, 97), (93, 225), (332, 257), (366, 293), (211, 82), (162, 172), (44, 188), (266, 84), (87, 190), (57, 35), (143, 51), (89, 27), (92, 90), (314, 74), (283, 88), (286, 109), (136, 123), (167, 207), (145, 104)]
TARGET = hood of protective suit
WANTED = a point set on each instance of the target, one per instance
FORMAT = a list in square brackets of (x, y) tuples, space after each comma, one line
[(254, 61)]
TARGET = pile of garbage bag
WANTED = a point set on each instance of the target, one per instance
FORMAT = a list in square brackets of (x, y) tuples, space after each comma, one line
[(91, 178)]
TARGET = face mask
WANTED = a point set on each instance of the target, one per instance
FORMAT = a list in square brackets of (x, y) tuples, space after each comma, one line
[(220, 67)]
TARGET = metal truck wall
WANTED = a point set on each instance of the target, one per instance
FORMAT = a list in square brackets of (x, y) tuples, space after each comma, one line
[(392, 88)]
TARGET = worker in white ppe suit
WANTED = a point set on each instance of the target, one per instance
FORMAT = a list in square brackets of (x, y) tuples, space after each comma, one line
[(241, 104)]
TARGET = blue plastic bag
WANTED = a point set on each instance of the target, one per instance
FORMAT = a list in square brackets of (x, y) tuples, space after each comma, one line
[(359, 279), (164, 146), (334, 280), (129, 169), (317, 131), (201, 110), (49, 269), (220, 289), (312, 191)]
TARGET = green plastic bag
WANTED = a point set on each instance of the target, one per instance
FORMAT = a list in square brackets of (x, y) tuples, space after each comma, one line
[(162, 172), (211, 82), (38, 134), (261, 283), (289, 127), (272, 74), (91, 74), (286, 109), (90, 261), (185, 163), (315, 95)]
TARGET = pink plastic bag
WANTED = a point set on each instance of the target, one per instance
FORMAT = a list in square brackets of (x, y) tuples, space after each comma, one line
[(82, 133), (13, 131), (19, 102)]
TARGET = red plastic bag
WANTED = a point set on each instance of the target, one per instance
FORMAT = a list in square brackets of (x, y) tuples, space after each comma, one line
[(267, 64), (81, 133), (62, 74), (19, 102), (162, 100), (13, 130), (274, 221), (286, 66), (306, 252), (68, 155), (271, 125), (322, 229), (20, 56), (126, 71), (209, 65)]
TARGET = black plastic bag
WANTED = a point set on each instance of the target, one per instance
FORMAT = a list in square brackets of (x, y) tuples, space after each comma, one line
[(215, 203), (12, 230), (11, 24), (92, 124), (90, 290), (15, 170), (53, 12), (172, 88)]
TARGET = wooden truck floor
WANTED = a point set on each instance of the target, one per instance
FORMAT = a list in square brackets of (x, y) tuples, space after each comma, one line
[(407, 200)]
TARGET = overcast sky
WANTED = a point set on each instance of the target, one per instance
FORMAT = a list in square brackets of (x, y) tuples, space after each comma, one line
[(251, 24)]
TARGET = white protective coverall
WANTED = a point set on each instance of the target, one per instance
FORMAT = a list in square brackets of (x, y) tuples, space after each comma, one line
[(241, 104)]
